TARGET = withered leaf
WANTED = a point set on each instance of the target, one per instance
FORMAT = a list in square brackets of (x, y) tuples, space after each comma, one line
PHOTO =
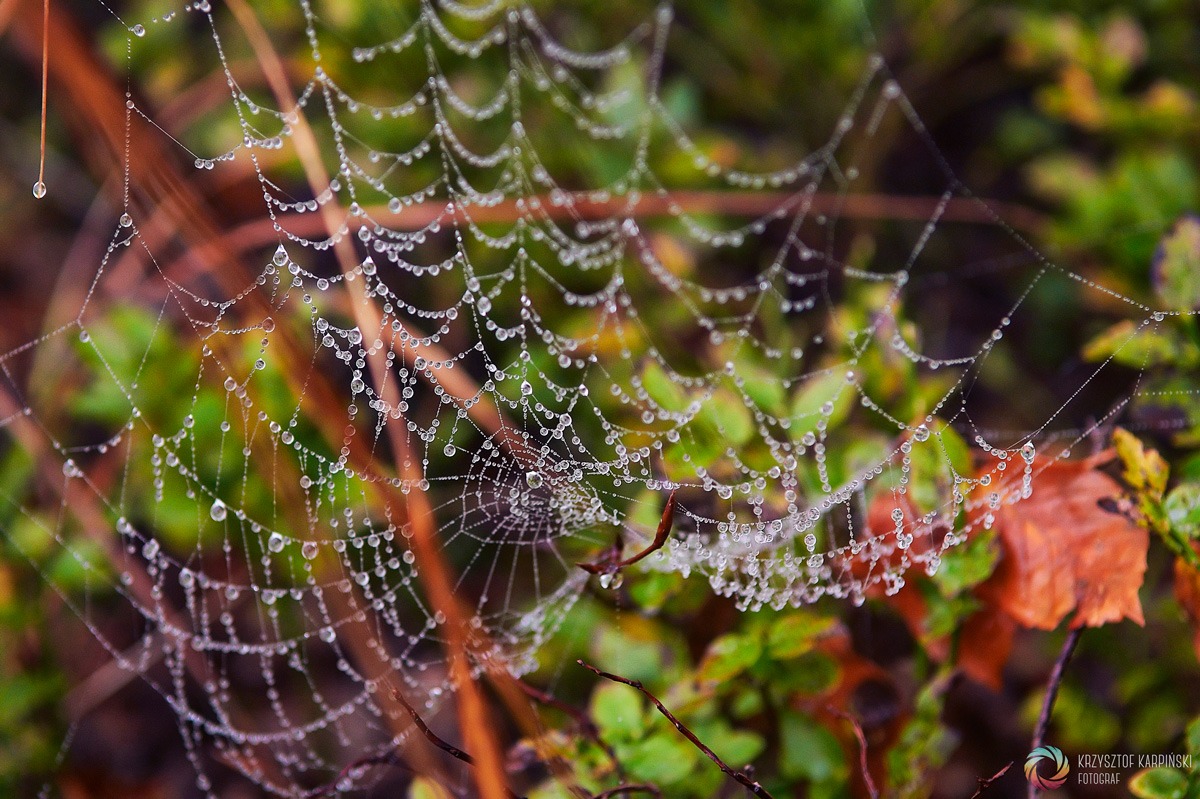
[(1063, 552)]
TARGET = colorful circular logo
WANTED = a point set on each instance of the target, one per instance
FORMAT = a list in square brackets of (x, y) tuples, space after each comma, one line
[(1054, 762)]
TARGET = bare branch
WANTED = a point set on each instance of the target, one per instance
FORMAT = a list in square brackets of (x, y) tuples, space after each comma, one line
[(872, 791), (1056, 677), (586, 725), (621, 790), (740, 777), (610, 564), (985, 784), (440, 743)]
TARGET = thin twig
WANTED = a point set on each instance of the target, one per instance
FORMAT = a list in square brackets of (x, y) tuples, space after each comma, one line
[(585, 723), (872, 791), (985, 784), (740, 777), (333, 787), (1056, 677), (628, 789), (608, 566), (434, 739)]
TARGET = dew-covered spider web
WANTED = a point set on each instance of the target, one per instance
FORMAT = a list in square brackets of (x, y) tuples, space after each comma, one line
[(233, 426)]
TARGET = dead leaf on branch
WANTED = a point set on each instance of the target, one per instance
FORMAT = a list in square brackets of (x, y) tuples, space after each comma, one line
[(1187, 593), (1063, 552)]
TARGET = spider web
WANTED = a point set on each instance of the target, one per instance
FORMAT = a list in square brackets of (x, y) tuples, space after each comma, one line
[(546, 360)]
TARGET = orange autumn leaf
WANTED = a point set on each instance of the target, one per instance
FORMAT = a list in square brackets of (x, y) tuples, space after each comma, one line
[(984, 644), (1063, 552), (1187, 593)]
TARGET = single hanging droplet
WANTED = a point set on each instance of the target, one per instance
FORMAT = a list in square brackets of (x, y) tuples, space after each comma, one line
[(533, 479), (309, 550), (218, 511), (611, 580), (39, 190), (275, 542), (921, 433), (138, 30), (126, 220), (327, 634), (1028, 451)]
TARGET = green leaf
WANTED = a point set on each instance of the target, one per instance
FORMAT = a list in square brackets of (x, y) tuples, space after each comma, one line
[(1177, 266), (795, 634), (662, 759), (729, 656), (1159, 783), (810, 674), (1132, 345), (1182, 506), (728, 413), (1193, 737), (808, 750), (825, 395), (617, 711), (662, 389)]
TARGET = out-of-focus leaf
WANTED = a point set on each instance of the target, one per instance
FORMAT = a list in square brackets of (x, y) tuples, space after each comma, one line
[(617, 711), (1177, 266), (1159, 783), (1144, 467), (729, 656), (662, 759), (795, 634)]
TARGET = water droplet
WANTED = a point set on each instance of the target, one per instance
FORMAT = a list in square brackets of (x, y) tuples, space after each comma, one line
[(138, 30), (39, 190), (611, 580), (218, 511), (126, 220), (275, 542), (309, 550), (150, 550), (1028, 451), (327, 634), (921, 433), (533, 479)]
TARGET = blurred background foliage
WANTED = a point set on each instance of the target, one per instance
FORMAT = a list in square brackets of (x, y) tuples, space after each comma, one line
[(1083, 115)]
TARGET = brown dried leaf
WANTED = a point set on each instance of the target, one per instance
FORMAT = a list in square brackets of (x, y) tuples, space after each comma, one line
[(1187, 592), (984, 645), (1063, 552)]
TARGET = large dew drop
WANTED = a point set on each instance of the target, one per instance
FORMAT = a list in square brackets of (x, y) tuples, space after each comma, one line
[(218, 511)]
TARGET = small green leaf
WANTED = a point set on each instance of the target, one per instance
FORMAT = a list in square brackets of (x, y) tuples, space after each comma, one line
[(662, 759), (808, 750), (1182, 506), (729, 656), (1158, 783), (617, 711), (1132, 345), (795, 634), (1177, 266)]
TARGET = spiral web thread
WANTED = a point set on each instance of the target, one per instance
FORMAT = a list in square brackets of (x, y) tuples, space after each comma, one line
[(531, 333)]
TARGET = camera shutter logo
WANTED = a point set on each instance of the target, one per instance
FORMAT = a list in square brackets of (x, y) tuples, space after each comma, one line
[(1051, 760)]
